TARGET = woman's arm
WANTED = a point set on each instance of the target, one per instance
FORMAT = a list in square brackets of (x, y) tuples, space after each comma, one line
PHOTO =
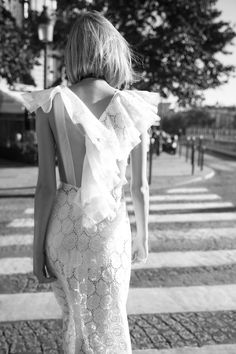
[(45, 192), (140, 194)]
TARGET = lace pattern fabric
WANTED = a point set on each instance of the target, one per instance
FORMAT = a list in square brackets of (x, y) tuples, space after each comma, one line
[(93, 271), (88, 240)]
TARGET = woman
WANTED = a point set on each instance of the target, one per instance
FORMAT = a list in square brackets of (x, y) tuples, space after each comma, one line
[(82, 238)]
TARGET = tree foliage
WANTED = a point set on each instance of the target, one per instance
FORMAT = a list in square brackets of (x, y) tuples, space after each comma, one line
[(19, 49), (177, 40)]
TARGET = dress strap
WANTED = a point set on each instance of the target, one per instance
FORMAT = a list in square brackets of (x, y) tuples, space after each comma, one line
[(64, 144)]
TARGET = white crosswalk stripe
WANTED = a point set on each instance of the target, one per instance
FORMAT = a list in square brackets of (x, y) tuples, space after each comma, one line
[(16, 240), (179, 197), (189, 217), (187, 190), (23, 265), (17, 265), (22, 222), (29, 211), (188, 259), (186, 206), (140, 300), (206, 349)]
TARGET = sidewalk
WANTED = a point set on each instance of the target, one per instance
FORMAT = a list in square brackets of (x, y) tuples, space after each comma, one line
[(172, 170), (167, 170)]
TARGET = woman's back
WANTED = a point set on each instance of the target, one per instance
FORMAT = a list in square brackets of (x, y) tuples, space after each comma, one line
[(97, 96), (94, 140)]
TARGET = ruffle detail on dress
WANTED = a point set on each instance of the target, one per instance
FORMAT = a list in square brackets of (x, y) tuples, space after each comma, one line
[(100, 170), (42, 98), (141, 107), (136, 111)]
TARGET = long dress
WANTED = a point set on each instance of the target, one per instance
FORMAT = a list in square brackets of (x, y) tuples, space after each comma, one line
[(88, 240)]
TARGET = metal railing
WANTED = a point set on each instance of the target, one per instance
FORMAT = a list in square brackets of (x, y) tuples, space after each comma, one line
[(194, 151), (150, 154), (213, 133)]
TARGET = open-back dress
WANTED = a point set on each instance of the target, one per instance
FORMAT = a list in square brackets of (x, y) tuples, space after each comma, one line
[(88, 240)]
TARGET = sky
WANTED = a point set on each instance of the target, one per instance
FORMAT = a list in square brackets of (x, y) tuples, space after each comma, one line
[(225, 95)]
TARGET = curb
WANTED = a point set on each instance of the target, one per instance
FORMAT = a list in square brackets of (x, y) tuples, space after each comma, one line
[(154, 188), (27, 192), (205, 349), (198, 179)]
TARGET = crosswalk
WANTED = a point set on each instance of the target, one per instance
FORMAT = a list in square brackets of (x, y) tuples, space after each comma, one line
[(192, 234)]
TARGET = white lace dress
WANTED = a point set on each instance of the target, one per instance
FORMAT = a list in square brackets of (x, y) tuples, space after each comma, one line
[(88, 241)]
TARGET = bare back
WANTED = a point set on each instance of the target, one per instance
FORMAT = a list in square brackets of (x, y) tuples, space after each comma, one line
[(121, 126), (96, 96)]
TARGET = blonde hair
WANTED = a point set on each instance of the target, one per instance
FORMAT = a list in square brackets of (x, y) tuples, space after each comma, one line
[(96, 48)]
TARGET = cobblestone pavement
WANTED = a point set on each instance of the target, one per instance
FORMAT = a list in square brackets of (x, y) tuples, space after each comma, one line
[(164, 330), (178, 330), (147, 331)]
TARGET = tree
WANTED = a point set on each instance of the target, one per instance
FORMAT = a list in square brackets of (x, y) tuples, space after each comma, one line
[(19, 49), (177, 40)]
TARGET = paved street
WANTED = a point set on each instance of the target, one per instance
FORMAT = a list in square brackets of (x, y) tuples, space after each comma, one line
[(182, 301)]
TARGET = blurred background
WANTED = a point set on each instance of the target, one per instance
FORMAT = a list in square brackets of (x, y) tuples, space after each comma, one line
[(186, 53)]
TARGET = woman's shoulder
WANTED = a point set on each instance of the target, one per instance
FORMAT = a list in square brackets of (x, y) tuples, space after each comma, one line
[(40, 98)]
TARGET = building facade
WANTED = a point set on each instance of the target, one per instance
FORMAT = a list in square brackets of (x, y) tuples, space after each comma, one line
[(224, 117)]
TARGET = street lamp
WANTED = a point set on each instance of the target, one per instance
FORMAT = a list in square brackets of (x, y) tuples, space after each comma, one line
[(45, 34)]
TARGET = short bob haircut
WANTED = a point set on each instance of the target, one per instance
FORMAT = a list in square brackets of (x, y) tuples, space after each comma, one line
[(95, 48)]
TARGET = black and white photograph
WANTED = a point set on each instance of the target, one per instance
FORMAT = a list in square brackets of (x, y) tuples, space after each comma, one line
[(118, 177)]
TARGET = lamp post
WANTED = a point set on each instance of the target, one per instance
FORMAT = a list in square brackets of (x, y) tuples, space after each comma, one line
[(45, 34)]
